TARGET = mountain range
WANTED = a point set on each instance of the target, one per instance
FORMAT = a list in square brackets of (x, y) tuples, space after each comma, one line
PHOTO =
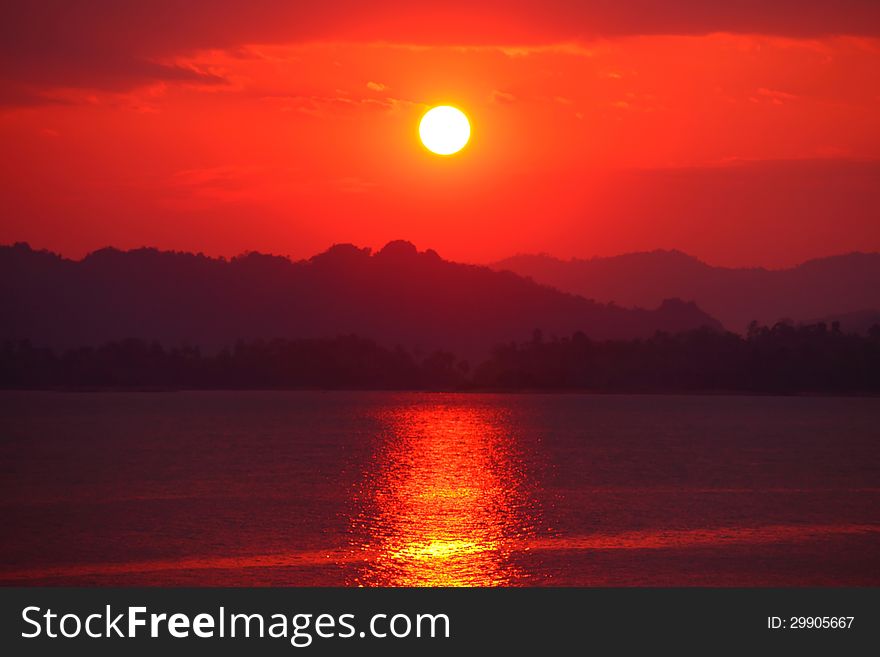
[(396, 296), (844, 288)]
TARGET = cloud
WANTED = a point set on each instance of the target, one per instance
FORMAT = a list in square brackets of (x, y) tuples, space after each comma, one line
[(502, 97), (106, 44), (376, 86), (323, 106), (23, 95), (36, 81), (774, 96)]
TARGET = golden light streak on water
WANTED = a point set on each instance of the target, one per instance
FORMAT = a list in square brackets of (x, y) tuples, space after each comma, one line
[(446, 502)]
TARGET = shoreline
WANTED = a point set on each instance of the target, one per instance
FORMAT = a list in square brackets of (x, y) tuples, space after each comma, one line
[(456, 391)]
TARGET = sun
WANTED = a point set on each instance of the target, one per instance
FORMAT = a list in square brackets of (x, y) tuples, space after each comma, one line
[(444, 130)]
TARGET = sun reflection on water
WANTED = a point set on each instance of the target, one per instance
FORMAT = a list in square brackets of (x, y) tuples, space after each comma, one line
[(445, 502)]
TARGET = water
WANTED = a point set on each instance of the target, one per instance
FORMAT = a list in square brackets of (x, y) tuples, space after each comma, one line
[(309, 488)]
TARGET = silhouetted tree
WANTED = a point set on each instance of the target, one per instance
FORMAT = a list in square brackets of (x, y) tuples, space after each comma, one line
[(783, 358)]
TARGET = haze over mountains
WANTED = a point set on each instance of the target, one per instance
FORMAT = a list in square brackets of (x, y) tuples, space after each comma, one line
[(397, 296), (844, 288)]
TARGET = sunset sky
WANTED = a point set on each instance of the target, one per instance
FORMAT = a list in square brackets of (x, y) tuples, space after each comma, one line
[(742, 134)]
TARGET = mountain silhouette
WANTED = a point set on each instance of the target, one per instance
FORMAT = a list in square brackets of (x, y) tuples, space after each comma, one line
[(397, 296), (830, 287)]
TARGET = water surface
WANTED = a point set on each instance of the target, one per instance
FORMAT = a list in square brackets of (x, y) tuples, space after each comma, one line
[(310, 488)]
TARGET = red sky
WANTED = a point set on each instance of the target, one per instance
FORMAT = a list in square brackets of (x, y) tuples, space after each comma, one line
[(742, 134)]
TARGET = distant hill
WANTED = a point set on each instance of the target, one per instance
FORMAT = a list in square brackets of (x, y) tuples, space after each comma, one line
[(834, 286), (397, 296)]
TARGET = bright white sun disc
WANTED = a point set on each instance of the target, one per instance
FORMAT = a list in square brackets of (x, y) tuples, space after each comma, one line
[(444, 130)]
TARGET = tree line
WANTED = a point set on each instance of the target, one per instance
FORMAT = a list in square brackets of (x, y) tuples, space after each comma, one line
[(778, 359)]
